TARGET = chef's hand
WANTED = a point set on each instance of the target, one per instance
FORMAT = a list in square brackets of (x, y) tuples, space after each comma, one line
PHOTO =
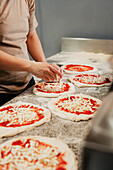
[(45, 71), (60, 70)]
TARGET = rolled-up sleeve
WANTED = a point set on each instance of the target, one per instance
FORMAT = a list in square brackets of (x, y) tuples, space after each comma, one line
[(32, 18)]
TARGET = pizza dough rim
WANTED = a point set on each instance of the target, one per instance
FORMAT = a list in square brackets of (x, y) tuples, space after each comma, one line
[(10, 131), (70, 157), (73, 117), (75, 72), (79, 84), (41, 94)]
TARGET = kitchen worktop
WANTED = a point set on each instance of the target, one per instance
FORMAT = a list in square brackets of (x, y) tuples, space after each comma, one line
[(72, 133)]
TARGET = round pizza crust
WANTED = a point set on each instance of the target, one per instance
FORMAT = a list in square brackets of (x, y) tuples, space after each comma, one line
[(10, 131), (69, 157), (42, 94), (75, 72), (79, 84), (71, 116)]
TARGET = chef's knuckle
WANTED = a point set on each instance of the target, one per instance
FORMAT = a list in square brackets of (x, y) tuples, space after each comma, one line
[(47, 70)]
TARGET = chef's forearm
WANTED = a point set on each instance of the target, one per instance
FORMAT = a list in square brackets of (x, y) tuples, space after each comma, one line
[(34, 47), (42, 70), (12, 63)]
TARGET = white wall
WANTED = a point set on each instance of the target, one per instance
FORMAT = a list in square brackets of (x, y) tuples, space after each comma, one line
[(73, 18)]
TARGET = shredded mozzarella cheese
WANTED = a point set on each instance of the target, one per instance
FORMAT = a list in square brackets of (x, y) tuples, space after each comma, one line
[(52, 87), (78, 104), (90, 79), (18, 114), (18, 157)]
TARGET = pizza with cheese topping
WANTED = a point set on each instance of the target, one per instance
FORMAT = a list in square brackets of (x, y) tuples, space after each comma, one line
[(20, 116), (45, 89), (36, 153), (73, 68), (74, 107), (82, 80)]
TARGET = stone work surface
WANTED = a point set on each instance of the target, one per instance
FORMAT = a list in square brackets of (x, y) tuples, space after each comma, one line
[(72, 133)]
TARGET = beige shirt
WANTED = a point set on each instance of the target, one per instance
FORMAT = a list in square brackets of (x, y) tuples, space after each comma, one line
[(17, 18)]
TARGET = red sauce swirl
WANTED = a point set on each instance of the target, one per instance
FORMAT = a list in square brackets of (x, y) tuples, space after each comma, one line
[(78, 68)]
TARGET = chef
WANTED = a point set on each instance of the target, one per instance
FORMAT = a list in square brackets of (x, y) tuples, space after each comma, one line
[(18, 37)]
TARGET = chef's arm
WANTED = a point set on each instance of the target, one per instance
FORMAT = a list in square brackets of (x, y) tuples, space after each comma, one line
[(12, 63), (42, 70), (34, 47)]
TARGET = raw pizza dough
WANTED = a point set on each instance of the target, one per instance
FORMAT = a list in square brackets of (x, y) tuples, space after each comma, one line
[(78, 68), (71, 107), (37, 153), (21, 119), (53, 89), (90, 80)]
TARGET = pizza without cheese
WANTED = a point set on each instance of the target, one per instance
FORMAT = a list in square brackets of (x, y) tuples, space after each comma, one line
[(36, 153), (20, 116), (53, 89), (73, 68), (74, 107), (82, 80)]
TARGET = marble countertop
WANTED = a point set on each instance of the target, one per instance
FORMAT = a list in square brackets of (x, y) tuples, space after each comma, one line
[(72, 133)]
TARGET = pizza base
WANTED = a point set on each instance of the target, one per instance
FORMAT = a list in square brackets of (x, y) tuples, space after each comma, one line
[(69, 157), (79, 84), (70, 116), (75, 72), (10, 131), (49, 95)]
